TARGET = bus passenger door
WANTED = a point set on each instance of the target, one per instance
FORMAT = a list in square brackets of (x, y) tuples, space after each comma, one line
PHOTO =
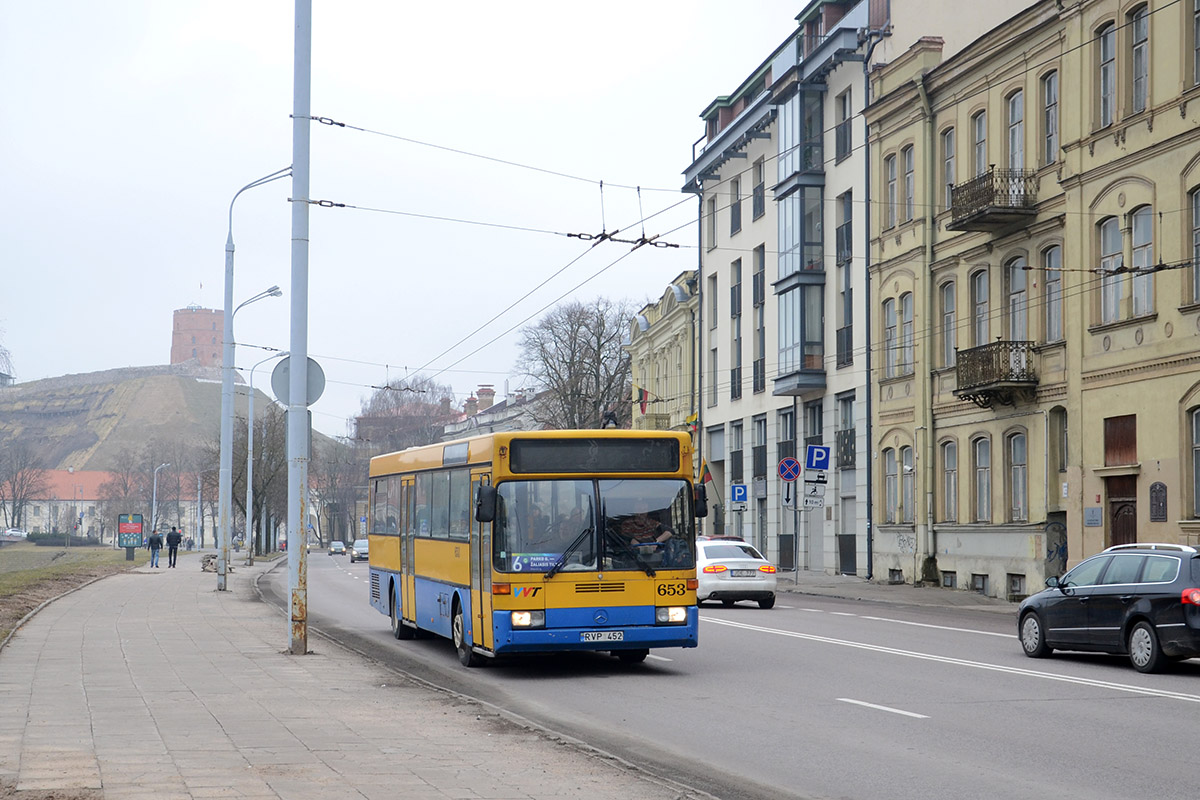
[(481, 571), (407, 589)]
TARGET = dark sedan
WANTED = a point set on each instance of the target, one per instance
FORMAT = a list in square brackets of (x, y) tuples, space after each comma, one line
[(1140, 600)]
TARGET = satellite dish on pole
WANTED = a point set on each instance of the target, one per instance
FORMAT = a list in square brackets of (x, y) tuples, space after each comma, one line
[(281, 381)]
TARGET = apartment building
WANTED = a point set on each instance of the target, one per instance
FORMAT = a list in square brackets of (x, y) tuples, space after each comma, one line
[(662, 355), (1035, 293)]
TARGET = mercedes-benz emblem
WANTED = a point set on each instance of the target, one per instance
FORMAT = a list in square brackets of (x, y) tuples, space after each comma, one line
[(601, 617)]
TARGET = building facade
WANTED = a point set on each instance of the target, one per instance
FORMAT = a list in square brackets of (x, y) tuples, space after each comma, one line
[(662, 356), (1035, 294)]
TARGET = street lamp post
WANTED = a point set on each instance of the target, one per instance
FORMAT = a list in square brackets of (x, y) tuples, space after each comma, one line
[(250, 539), (225, 484), (154, 501)]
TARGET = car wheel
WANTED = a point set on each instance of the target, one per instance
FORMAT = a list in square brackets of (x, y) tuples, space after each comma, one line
[(1033, 636), (466, 655), (727, 603), (632, 656), (1144, 651), (768, 602), (399, 629)]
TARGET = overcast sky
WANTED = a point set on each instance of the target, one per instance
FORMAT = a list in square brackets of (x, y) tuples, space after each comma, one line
[(126, 128)]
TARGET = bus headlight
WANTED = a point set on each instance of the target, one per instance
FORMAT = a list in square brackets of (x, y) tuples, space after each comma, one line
[(670, 615), (529, 619)]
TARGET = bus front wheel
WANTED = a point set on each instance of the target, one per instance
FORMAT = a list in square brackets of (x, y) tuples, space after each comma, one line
[(399, 629), (466, 655)]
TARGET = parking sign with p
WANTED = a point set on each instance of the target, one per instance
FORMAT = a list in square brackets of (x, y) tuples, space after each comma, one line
[(817, 458)]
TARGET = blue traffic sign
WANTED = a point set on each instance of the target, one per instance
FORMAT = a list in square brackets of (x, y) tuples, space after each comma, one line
[(789, 468), (738, 493), (817, 457)]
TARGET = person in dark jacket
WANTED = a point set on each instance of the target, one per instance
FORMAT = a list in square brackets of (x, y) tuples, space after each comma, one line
[(154, 545), (173, 540)]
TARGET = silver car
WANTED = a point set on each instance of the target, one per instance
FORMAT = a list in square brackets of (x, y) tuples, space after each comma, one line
[(729, 570), (359, 551)]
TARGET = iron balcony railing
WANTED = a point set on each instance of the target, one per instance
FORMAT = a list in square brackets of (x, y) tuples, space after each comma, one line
[(786, 448), (759, 203), (758, 457), (841, 138), (845, 346), (1004, 194), (736, 466), (844, 442), (995, 363), (845, 246)]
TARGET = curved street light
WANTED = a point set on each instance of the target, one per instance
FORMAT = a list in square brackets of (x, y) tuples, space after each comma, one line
[(250, 461)]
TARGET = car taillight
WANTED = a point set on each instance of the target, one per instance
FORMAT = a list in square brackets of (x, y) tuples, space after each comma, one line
[(1191, 597), (715, 568), (766, 568)]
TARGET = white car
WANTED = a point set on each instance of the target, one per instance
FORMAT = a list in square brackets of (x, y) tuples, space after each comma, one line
[(16, 533), (728, 569)]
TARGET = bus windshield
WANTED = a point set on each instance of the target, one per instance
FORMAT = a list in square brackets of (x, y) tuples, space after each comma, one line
[(612, 523)]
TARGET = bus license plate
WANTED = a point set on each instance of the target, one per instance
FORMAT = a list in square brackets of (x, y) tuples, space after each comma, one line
[(602, 636)]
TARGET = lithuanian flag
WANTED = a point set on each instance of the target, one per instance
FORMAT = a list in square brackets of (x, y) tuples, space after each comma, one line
[(705, 475)]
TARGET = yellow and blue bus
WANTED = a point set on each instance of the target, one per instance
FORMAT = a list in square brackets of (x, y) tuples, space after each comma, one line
[(543, 541)]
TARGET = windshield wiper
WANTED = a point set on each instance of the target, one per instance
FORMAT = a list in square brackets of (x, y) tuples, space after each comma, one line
[(562, 560), (623, 545)]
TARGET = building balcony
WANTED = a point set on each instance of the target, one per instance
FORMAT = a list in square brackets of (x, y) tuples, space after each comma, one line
[(845, 445), (1000, 372), (845, 346), (652, 422), (844, 242), (995, 199)]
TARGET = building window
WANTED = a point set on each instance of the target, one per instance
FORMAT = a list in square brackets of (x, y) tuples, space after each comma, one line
[(1018, 478), (1194, 197), (1050, 118), (889, 338), (1058, 439), (711, 222), (1107, 53), (801, 244), (1196, 462), (909, 183), (889, 485), (950, 482), (907, 486), (982, 451), (1143, 260), (889, 171), (735, 330), (845, 114), (1052, 263), (979, 163), (948, 162), (712, 377), (979, 310), (1111, 260), (1196, 42), (1016, 276), (714, 301), (1140, 58), (759, 201), (949, 325), (906, 333), (1016, 130), (735, 206)]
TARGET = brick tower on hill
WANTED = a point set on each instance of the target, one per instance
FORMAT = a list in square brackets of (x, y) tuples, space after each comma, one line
[(196, 336)]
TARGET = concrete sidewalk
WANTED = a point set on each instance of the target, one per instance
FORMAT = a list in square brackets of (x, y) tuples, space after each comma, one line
[(849, 587), (152, 684)]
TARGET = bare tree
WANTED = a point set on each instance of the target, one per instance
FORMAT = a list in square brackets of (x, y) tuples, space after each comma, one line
[(406, 413), (575, 354), (22, 479), (340, 481)]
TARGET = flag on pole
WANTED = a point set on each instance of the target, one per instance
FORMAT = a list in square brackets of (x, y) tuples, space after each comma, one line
[(692, 422), (705, 475), (643, 397)]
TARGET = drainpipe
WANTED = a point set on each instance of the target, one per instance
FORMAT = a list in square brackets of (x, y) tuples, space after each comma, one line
[(873, 37), (926, 384)]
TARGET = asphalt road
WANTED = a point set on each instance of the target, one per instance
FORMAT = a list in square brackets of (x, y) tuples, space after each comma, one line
[(823, 698)]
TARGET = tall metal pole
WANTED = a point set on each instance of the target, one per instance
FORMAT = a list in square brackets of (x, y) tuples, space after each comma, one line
[(297, 419), (154, 501), (225, 478), (250, 536)]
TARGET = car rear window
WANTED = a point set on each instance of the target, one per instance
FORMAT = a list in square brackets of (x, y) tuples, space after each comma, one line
[(1160, 569), (719, 551), (1196, 569)]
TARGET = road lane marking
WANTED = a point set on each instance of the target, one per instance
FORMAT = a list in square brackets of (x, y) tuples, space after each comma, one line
[(882, 708), (659, 658), (961, 662), (942, 627), (841, 614)]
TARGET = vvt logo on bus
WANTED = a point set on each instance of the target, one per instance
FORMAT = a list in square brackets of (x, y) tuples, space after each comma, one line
[(526, 591)]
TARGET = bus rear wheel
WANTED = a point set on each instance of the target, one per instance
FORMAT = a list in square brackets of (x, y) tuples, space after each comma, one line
[(632, 656), (466, 655), (399, 629)]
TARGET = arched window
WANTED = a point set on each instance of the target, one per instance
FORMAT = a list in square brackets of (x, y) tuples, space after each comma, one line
[(979, 310), (949, 325), (948, 176), (889, 338), (1194, 199), (1142, 222), (1018, 478), (906, 333), (1196, 462), (889, 171), (906, 156), (1016, 276), (950, 481), (1111, 260), (1050, 117), (889, 485), (979, 156), (982, 480), (1016, 130), (1053, 299)]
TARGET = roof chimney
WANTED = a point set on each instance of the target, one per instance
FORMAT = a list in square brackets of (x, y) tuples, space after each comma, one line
[(487, 396), (471, 406)]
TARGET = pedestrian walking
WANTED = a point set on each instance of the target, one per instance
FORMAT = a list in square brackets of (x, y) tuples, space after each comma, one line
[(173, 540), (154, 545)]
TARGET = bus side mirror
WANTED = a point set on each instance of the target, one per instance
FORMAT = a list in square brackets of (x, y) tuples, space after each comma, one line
[(701, 501), (485, 503)]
